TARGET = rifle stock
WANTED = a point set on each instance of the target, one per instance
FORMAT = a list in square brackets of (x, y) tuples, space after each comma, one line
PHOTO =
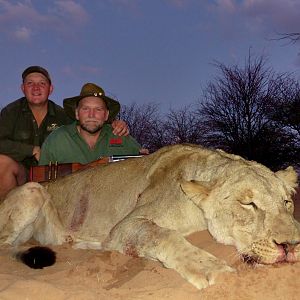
[(54, 170)]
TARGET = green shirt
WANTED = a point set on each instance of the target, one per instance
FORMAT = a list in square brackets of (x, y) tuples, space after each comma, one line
[(19, 132), (65, 145)]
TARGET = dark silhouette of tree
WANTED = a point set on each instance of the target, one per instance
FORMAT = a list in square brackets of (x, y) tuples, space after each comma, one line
[(236, 110), (250, 111), (153, 132), (183, 126), (145, 124), (286, 114), (286, 110)]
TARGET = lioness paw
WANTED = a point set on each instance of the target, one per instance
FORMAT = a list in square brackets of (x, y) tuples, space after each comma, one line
[(202, 278), (213, 273), (204, 272)]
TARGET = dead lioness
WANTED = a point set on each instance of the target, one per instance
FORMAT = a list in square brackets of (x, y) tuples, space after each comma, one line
[(145, 207)]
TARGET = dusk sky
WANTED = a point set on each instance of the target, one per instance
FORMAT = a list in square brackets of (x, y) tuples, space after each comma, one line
[(142, 51)]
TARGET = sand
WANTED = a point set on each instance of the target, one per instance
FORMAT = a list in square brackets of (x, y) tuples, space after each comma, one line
[(91, 274)]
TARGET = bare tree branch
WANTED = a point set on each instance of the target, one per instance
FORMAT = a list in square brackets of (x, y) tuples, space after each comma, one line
[(291, 37), (236, 113)]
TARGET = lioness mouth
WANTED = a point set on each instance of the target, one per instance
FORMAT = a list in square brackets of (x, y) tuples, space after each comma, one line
[(285, 254), (250, 260)]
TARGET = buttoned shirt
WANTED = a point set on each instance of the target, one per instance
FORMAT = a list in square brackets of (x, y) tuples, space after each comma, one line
[(19, 131), (66, 145)]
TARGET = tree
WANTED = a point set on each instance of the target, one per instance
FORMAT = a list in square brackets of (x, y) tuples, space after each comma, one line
[(286, 114), (153, 131), (183, 126), (287, 105), (235, 113), (145, 124)]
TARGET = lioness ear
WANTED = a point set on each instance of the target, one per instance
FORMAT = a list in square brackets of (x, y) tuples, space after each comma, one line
[(289, 175), (195, 190)]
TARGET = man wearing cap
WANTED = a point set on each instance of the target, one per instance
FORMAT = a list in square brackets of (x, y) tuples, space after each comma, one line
[(90, 136), (25, 124)]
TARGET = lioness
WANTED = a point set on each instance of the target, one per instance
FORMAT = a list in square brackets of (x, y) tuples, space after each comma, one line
[(145, 207)]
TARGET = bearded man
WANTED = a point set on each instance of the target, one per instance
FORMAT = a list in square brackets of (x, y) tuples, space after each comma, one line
[(90, 136)]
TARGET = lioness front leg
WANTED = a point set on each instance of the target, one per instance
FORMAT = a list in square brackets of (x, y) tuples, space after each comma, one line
[(28, 212), (141, 237)]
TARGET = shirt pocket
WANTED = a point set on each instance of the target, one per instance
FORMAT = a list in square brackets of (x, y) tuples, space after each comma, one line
[(23, 133)]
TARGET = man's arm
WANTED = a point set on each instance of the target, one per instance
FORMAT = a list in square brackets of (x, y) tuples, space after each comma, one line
[(16, 150), (36, 152), (120, 128)]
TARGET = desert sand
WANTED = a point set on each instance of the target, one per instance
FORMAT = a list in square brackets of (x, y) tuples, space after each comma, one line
[(91, 274)]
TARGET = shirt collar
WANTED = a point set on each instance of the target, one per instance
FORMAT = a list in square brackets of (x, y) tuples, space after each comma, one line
[(51, 107), (25, 106)]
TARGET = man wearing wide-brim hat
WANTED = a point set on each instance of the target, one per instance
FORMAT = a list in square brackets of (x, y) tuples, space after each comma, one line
[(90, 136)]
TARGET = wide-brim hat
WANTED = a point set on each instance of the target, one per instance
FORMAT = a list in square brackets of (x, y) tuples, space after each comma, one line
[(87, 90)]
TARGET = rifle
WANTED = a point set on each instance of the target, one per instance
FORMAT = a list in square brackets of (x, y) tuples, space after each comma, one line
[(52, 171)]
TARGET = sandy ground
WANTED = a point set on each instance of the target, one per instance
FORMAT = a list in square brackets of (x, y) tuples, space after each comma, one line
[(90, 274)]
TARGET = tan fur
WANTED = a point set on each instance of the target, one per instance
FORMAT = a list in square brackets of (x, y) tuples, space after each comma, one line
[(145, 207)]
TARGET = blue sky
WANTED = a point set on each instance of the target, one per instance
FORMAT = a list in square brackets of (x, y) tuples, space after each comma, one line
[(141, 51)]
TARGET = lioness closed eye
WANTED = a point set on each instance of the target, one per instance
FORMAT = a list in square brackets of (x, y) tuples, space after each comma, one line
[(146, 206)]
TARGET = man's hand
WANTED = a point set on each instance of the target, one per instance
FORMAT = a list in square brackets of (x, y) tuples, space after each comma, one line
[(120, 128), (144, 151), (36, 152)]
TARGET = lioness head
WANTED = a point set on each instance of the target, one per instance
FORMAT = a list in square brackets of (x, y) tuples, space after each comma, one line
[(251, 208)]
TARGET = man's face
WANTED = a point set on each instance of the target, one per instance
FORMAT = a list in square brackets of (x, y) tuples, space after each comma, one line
[(91, 114), (36, 88)]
